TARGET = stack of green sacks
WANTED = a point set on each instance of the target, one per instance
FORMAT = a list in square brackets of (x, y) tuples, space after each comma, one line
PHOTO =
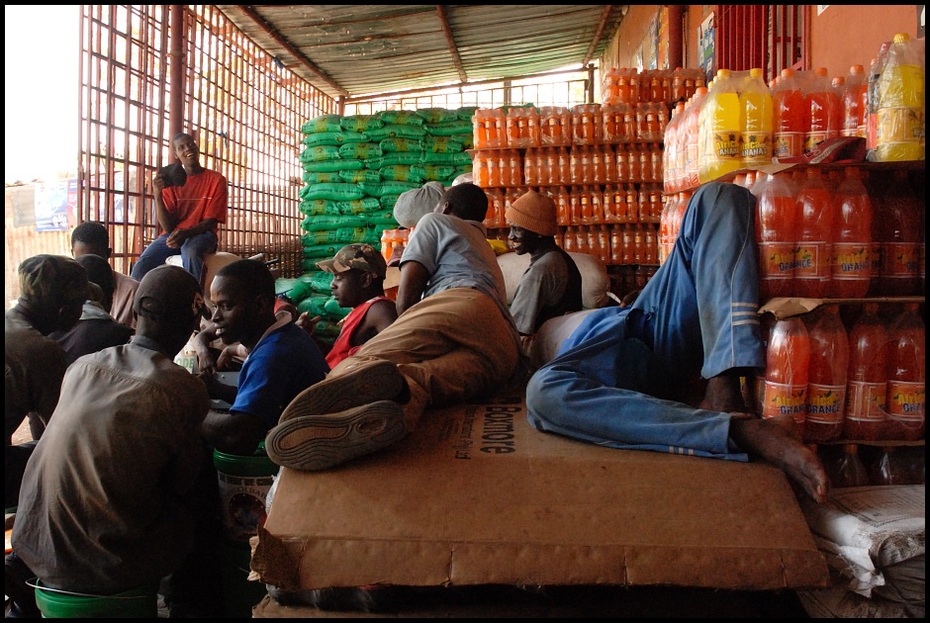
[(355, 167)]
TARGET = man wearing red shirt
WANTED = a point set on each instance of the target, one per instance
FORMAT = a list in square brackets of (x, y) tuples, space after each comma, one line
[(190, 201)]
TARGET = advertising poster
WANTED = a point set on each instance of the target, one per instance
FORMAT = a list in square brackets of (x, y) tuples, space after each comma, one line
[(56, 205), (705, 41), (662, 39)]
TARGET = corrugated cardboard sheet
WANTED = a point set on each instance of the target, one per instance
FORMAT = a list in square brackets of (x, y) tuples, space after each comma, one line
[(477, 496)]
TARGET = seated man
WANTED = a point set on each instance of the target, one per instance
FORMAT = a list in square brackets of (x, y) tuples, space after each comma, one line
[(358, 282), (551, 286), (453, 340), (96, 329), (94, 239), (189, 207), (106, 502), (283, 359), (621, 379)]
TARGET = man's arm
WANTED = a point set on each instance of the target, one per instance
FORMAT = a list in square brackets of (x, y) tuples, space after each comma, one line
[(234, 432), (166, 219), (178, 236), (413, 280)]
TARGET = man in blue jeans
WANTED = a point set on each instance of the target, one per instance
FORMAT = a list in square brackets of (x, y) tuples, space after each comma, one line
[(190, 202), (621, 379)]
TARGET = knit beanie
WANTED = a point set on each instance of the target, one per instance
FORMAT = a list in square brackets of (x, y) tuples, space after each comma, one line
[(534, 212)]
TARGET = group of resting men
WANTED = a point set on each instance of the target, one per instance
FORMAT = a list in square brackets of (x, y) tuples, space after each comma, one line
[(111, 496)]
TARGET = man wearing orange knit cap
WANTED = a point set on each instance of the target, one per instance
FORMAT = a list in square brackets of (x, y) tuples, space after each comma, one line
[(551, 286)]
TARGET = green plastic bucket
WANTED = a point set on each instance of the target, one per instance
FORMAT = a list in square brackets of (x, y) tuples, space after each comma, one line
[(140, 603), (244, 482)]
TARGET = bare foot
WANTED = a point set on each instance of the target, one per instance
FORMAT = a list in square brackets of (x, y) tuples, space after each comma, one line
[(776, 442), (723, 393)]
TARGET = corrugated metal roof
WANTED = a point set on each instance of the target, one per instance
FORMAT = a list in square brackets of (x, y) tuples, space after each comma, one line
[(354, 51)]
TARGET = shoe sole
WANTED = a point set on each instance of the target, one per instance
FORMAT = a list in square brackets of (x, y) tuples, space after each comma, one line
[(370, 382), (317, 442)]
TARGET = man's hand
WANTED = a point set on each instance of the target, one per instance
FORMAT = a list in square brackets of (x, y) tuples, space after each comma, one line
[(177, 238), (306, 323), (158, 182)]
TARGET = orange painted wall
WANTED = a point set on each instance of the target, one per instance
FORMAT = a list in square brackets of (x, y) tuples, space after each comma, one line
[(841, 36)]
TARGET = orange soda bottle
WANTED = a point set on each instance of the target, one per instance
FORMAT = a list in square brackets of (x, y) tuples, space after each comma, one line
[(867, 379), (899, 229), (852, 102), (851, 270), (907, 354), (826, 384), (787, 362), (778, 221), (813, 253), (822, 110), (788, 124)]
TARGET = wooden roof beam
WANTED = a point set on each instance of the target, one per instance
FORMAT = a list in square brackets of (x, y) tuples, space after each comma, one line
[(453, 49), (605, 19), (291, 48)]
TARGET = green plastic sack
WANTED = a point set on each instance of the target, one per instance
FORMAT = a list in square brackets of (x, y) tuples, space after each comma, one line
[(451, 128), (383, 220), (332, 165), (318, 252), (358, 206), (387, 160), (466, 112), (318, 207), (320, 177), (392, 130), (432, 116), (320, 153), (441, 144), (323, 123), (388, 187), (403, 173), (326, 221), (401, 117), (313, 305), (388, 201), (447, 159), (397, 144), (319, 280), (334, 192), (360, 150), (437, 172), (333, 138), (361, 175), (360, 123), (467, 140)]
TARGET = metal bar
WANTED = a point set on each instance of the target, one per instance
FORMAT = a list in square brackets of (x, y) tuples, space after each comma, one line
[(450, 41), (605, 19)]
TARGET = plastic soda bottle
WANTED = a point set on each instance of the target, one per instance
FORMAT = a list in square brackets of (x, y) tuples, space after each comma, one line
[(778, 222), (851, 270), (872, 99), (719, 129), (899, 229), (813, 254), (906, 399), (823, 110), (788, 116), (852, 102), (867, 379), (901, 107), (826, 386), (755, 120), (787, 362)]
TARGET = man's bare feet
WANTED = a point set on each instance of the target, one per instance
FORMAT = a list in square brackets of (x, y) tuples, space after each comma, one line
[(775, 440)]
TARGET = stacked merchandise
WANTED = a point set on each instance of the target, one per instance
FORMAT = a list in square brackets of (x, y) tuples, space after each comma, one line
[(355, 167)]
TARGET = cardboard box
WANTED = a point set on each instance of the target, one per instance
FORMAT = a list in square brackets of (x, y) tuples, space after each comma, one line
[(477, 496)]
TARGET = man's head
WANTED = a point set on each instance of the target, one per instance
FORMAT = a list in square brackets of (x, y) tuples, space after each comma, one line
[(466, 201), (531, 218), (168, 306), (100, 273), (244, 295), (413, 204), (186, 150), (52, 291), (358, 274), (90, 237)]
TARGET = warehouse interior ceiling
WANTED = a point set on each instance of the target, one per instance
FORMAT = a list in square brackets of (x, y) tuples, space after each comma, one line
[(355, 52)]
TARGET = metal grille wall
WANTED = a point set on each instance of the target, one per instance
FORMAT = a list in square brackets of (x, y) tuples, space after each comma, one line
[(772, 37), (241, 106)]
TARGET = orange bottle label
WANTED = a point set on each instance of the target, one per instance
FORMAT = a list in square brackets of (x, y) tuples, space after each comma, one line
[(811, 260), (906, 401), (851, 260), (777, 259), (825, 403), (784, 399), (900, 259), (787, 144), (866, 402)]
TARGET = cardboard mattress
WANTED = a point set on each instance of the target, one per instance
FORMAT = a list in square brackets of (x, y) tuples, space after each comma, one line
[(477, 496)]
